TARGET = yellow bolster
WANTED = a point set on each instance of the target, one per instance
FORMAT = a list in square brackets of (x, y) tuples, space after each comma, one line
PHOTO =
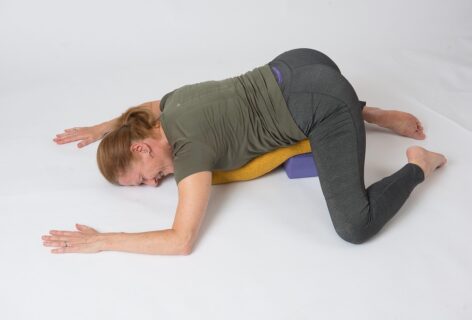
[(261, 165)]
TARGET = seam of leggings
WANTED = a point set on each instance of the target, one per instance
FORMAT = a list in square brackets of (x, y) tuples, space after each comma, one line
[(357, 148), (345, 105)]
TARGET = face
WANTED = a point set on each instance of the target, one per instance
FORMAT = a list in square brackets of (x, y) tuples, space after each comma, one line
[(150, 165)]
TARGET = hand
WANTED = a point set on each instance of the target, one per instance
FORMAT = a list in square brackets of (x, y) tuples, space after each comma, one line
[(86, 240), (87, 135)]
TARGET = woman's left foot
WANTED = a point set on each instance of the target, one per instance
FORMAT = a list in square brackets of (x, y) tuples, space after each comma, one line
[(402, 123)]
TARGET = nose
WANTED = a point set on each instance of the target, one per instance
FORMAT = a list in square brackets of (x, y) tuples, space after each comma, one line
[(150, 182)]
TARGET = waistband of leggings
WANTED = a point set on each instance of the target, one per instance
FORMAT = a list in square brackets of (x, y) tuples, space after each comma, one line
[(277, 75), (282, 72)]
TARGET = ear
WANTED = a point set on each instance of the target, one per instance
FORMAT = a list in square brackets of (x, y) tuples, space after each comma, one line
[(140, 147)]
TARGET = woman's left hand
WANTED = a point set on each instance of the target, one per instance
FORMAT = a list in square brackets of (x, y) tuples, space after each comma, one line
[(85, 240)]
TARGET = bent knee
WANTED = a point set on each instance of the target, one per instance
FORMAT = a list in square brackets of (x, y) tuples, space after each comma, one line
[(353, 234)]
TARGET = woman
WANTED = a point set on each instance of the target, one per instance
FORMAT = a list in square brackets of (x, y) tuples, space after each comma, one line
[(221, 125)]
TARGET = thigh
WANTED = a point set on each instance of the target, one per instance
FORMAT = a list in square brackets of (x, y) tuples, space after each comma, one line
[(338, 148), (326, 108)]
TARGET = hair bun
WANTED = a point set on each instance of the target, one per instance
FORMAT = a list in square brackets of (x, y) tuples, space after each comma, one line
[(138, 117)]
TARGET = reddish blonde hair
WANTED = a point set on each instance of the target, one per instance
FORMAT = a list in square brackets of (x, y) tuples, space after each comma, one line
[(113, 154)]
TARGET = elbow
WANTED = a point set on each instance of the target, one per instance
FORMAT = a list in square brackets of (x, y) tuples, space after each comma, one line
[(186, 250), (184, 244)]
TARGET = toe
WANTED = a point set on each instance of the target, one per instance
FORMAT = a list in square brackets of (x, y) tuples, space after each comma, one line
[(419, 136)]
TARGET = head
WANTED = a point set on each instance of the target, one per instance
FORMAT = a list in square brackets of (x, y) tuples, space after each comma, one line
[(136, 152)]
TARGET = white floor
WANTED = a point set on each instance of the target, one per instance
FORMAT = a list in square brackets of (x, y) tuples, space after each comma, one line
[(267, 249)]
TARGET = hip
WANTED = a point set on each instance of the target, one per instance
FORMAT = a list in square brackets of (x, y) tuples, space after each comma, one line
[(312, 86)]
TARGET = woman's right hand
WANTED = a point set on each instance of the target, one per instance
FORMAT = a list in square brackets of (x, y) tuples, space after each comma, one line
[(86, 135)]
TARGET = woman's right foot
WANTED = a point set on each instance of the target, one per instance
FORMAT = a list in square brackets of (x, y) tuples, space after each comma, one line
[(426, 160), (402, 123)]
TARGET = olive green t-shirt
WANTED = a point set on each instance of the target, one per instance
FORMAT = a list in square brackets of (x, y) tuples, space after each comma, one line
[(221, 125)]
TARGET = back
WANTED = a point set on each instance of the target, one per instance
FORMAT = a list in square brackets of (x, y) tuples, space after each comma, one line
[(221, 125)]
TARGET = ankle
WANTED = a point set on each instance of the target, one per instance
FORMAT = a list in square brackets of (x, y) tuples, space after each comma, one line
[(421, 164), (372, 114)]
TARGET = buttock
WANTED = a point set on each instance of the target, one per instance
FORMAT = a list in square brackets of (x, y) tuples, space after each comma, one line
[(304, 56), (314, 92)]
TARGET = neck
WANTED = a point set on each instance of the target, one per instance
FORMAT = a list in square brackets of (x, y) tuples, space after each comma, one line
[(164, 148), (161, 137)]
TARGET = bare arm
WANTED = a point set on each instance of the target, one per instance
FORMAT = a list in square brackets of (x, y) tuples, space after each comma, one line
[(194, 194), (87, 135)]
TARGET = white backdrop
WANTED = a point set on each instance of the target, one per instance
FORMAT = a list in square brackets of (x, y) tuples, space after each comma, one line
[(267, 249)]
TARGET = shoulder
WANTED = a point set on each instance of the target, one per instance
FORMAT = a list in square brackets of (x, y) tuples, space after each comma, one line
[(192, 156)]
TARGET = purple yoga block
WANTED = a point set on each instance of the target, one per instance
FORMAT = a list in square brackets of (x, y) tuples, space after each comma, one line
[(301, 166)]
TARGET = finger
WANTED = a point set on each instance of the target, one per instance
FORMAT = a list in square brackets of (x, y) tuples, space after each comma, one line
[(73, 134), (60, 244), (78, 135), (62, 135), (64, 233), (66, 140), (85, 142), (75, 248), (66, 133), (69, 133), (70, 138), (80, 237), (62, 238)]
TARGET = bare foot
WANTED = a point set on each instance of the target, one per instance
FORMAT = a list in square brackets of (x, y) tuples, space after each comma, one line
[(402, 123), (427, 160)]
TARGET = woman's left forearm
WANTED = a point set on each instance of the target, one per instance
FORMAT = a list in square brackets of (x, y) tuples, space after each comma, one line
[(162, 242), (194, 193), (89, 240)]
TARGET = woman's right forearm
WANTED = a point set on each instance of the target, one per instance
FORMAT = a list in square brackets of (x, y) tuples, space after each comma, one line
[(108, 126), (87, 135)]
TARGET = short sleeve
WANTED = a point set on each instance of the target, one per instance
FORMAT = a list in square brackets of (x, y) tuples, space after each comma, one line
[(164, 99), (191, 157)]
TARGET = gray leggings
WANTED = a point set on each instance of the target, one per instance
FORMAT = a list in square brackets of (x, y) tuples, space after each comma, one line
[(325, 107)]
